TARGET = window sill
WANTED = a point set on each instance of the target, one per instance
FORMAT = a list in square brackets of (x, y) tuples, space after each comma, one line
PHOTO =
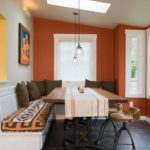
[(3, 81), (72, 83)]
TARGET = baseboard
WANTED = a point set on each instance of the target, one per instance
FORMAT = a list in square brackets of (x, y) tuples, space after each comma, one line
[(145, 118), (142, 117)]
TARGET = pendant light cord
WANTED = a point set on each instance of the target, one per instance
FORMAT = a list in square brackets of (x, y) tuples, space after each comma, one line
[(78, 21), (76, 28)]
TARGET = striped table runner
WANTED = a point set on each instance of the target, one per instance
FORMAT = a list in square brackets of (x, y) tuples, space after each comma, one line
[(87, 104)]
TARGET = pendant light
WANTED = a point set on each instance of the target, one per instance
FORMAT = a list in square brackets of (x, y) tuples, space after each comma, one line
[(75, 59), (79, 49)]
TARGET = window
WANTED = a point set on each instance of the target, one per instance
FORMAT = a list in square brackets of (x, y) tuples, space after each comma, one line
[(88, 5), (148, 64), (135, 63), (65, 69), (3, 74)]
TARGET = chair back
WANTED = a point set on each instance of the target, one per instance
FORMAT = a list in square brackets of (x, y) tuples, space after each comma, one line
[(135, 112)]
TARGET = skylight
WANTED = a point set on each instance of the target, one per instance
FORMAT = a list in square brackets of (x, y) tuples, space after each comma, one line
[(88, 5)]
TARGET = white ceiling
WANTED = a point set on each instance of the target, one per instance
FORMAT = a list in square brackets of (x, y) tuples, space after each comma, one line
[(132, 12)]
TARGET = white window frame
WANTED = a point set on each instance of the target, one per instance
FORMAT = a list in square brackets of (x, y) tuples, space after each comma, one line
[(71, 37), (140, 35), (148, 65)]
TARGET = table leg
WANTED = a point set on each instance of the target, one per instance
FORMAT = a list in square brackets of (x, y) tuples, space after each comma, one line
[(83, 134), (82, 131)]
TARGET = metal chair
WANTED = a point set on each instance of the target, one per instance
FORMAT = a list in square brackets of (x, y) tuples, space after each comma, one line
[(131, 115), (113, 108)]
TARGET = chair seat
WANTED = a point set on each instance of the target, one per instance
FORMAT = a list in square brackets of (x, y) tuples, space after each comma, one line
[(121, 117), (113, 110)]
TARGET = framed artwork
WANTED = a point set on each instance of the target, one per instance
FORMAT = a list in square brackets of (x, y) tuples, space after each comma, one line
[(24, 45)]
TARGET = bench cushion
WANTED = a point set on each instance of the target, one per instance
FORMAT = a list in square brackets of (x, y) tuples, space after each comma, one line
[(51, 84), (93, 84), (34, 92), (41, 86), (22, 94), (32, 118), (109, 86)]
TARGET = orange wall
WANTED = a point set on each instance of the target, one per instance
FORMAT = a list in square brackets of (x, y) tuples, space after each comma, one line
[(43, 66), (110, 53), (147, 107), (119, 64)]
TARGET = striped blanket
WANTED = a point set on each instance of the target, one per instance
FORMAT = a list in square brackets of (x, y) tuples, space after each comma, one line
[(32, 118)]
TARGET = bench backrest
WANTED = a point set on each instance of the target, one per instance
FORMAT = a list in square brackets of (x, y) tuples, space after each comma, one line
[(8, 101)]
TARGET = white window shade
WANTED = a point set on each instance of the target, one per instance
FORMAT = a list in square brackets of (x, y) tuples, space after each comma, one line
[(135, 63), (65, 69)]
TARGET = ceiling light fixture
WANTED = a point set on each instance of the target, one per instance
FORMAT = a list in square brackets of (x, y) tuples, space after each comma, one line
[(75, 59), (88, 5), (79, 49)]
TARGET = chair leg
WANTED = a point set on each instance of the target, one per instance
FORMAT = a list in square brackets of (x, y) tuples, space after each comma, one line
[(118, 136), (114, 126), (102, 129), (133, 145)]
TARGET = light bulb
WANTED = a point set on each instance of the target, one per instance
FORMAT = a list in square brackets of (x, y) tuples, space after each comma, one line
[(75, 59), (79, 49)]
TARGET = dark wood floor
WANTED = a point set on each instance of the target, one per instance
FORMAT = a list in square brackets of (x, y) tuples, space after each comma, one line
[(140, 132)]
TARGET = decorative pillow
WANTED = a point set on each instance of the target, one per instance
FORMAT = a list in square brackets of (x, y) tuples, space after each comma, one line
[(22, 94), (34, 92), (93, 84), (51, 84), (41, 86), (109, 86)]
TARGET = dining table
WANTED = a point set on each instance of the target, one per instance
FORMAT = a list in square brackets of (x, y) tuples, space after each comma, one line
[(57, 95), (93, 102)]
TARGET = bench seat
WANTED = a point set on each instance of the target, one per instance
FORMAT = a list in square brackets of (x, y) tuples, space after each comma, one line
[(32, 118)]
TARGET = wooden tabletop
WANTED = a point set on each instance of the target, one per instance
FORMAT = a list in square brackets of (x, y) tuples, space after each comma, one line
[(58, 96), (111, 97)]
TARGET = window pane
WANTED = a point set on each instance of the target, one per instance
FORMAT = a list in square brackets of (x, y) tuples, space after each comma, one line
[(135, 63), (134, 49), (69, 71)]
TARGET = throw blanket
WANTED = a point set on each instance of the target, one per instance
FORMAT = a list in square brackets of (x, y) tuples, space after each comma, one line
[(86, 104), (32, 118), (29, 113)]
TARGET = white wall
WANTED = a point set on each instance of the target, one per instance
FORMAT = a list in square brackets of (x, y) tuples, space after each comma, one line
[(14, 13)]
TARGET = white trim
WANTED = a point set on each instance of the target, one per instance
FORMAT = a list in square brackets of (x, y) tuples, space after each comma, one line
[(5, 87), (72, 83), (70, 37), (3, 81), (140, 35), (142, 117), (145, 118), (148, 65)]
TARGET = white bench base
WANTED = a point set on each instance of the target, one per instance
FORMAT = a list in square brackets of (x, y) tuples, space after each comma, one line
[(19, 140), (25, 140)]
